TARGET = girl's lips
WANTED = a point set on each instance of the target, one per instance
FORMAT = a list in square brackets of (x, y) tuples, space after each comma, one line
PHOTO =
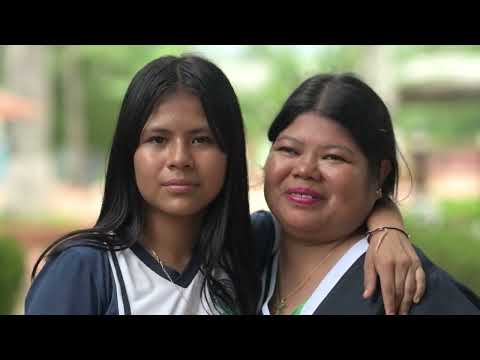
[(179, 186), (179, 182), (179, 189)]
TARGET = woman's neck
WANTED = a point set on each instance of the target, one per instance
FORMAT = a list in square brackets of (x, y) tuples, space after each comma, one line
[(303, 264), (172, 238), (298, 256)]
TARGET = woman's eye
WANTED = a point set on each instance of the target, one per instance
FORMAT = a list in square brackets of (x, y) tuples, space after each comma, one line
[(333, 157), (287, 150)]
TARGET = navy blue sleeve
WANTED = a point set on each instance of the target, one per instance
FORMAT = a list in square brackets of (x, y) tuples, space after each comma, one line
[(264, 237), (78, 281)]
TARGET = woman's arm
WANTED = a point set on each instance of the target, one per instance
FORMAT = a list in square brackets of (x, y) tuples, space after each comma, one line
[(392, 256)]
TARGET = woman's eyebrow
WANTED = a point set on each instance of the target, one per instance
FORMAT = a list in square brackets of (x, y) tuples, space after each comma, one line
[(336, 146), (289, 138)]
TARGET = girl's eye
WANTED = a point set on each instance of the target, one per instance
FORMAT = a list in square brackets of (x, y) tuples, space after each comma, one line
[(287, 150), (203, 140), (157, 140)]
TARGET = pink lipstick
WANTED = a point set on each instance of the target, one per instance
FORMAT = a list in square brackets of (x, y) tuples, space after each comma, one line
[(303, 196)]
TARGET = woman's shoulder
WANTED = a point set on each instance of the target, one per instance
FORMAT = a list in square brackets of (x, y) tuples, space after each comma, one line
[(444, 294)]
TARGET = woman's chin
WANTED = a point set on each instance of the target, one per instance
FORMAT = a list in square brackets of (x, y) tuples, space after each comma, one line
[(302, 224)]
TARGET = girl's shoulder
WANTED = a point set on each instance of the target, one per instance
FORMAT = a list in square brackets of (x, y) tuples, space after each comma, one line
[(77, 280), (78, 258)]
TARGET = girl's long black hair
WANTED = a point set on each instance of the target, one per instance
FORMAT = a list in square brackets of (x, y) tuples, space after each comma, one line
[(226, 241)]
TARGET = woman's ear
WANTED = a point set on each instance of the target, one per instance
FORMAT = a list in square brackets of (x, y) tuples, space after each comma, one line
[(385, 168)]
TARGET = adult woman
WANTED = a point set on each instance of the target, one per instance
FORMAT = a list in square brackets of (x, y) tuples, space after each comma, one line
[(333, 156)]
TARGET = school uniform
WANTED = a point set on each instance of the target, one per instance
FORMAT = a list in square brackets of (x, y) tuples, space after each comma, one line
[(87, 280)]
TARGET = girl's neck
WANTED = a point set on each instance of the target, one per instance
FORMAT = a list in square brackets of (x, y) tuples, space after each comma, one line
[(172, 238)]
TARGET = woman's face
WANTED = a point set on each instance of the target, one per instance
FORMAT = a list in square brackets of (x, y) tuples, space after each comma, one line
[(317, 180), (179, 167)]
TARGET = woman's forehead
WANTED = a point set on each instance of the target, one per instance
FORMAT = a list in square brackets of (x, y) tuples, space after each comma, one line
[(313, 128)]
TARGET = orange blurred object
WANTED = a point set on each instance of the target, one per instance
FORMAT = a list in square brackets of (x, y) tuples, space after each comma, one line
[(13, 107)]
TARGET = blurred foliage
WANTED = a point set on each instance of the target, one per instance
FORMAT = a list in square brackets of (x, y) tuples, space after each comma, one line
[(445, 123), (12, 264), (106, 72), (2, 60), (463, 212), (406, 52), (453, 243), (48, 220)]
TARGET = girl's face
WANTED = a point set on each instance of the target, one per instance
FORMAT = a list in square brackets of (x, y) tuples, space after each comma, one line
[(179, 167), (317, 180)]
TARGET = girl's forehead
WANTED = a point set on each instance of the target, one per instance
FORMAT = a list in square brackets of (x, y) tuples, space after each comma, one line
[(179, 100), (179, 111)]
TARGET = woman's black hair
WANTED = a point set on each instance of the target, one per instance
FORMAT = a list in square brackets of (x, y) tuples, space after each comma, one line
[(226, 242), (352, 104)]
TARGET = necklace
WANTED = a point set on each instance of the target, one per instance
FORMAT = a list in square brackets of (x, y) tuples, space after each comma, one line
[(281, 302), (154, 254)]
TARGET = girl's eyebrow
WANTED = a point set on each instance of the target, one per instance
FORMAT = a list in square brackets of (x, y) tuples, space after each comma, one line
[(156, 129), (159, 129), (203, 129)]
